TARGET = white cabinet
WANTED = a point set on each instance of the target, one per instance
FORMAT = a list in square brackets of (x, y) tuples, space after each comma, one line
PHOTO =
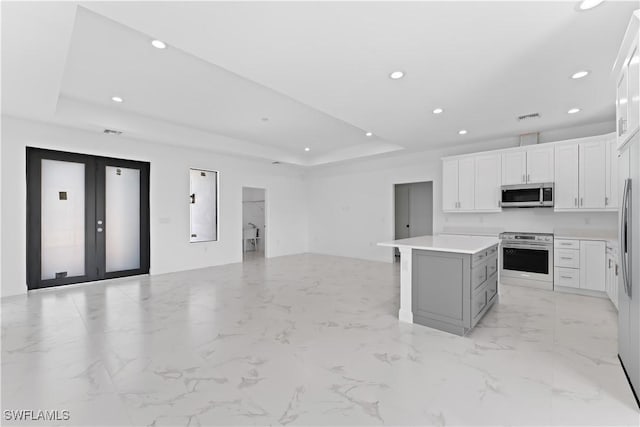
[(566, 177), (528, 165), (466, 176), (592, 265), (592, 173), (628, 95), (611, 178), (488, 177), (540, 164), (580, 264), (449, 185), (585, 176), (458, 184), (612, 269), (514, 167)]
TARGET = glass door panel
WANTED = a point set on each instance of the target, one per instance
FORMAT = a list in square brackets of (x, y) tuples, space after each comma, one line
[(122, 219), (62, 219)]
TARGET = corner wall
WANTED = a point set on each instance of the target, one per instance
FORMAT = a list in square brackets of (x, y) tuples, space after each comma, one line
[(170, 247)]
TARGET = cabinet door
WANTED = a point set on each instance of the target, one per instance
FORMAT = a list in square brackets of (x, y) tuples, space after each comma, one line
[(622, 107), (566, 177), (487, 181), (633, 90), (449, 185), (540, 164), (514, 166), (466, 187), (611, 165), (592, 175), (592, 265)]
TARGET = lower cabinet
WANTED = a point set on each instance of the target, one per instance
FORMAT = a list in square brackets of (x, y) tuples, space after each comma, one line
[(580, 264), (452, 291), (611, 281)]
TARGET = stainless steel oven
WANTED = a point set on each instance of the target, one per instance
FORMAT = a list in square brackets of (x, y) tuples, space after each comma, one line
[(527, 259)]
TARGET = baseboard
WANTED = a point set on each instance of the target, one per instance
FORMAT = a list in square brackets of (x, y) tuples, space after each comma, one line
[(629, 381), (583, 292)]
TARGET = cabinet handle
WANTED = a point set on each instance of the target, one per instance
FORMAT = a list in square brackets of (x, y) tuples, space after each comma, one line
[(524, 178), (609, 264), (575, 201), (581, 201), (616, 269), (606, 201), (566, 244), (528, 177), (566, 257), (566, 277)]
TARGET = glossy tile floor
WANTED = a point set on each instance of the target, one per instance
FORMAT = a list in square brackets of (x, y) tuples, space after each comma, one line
[(306, 340)]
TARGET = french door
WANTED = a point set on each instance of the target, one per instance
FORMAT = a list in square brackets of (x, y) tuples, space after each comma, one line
[(87, 218)]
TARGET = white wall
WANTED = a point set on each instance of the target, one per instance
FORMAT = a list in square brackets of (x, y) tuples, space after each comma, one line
[(351, 204), (170, 247)]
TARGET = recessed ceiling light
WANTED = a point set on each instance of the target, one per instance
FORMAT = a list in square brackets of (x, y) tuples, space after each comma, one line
[(265, 119), (116, 99), (159, 44), (580, 74), (462, 132), (438, 111), (589, 4), (573, 111), (369, 134), (397, 75), (307, 149)]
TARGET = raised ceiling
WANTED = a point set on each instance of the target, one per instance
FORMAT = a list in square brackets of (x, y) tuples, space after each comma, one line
[(267, 79)]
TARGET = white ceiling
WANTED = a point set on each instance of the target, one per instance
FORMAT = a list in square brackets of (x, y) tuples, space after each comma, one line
[(317, 70)]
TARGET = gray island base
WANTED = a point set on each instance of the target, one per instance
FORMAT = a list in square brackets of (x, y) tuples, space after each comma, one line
[(447, 282)]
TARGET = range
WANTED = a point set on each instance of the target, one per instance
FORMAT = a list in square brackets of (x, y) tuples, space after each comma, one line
[(527, 259)]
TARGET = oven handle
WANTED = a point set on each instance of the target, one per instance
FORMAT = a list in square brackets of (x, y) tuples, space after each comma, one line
[(531, 246)]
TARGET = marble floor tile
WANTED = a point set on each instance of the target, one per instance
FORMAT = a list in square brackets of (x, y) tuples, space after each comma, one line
[(305, 340)]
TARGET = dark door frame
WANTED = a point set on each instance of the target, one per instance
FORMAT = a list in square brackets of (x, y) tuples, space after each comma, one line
[(94, 210)]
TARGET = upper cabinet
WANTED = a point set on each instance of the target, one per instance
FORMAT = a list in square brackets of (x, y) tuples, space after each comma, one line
[(540, 161), (458, 184), (566, 187), (514, 167), (529, 165), (628, 86), (488, 176), (583, 175), (584, 172)]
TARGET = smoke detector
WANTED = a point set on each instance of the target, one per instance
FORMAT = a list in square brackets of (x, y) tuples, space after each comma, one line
[(112, 132)]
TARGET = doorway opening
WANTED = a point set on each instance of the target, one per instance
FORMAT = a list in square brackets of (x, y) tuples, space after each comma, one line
[(254, 228), (87, 218), (413, 211)]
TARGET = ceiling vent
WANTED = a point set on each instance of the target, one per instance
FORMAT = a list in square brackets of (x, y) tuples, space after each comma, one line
[(529, 116), (112, 132)]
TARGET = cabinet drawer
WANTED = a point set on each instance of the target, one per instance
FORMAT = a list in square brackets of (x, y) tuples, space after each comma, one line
[(478, 276), (566, 244), (492, 288), (478, 303), (569, 277), (492, 266), (566, 258), (492, 250), (478, 258)]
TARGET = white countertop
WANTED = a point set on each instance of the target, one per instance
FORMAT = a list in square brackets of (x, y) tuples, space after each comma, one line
[(580, 234), (445, 243)]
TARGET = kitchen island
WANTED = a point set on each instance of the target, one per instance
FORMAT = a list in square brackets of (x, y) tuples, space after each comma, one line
[(447, 282)]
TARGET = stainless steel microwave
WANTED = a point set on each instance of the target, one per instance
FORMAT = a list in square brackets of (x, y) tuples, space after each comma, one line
[(527, 195)]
